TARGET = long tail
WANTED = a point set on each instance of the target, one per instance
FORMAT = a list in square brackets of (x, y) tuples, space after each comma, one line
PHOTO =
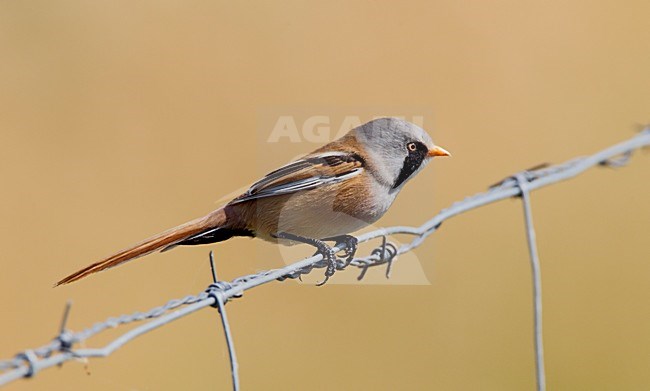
[(158, 242)]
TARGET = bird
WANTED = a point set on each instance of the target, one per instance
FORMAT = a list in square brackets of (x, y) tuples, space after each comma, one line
[(322, 197)]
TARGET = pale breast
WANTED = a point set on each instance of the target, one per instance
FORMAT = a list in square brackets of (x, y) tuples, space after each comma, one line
[(326, 212)]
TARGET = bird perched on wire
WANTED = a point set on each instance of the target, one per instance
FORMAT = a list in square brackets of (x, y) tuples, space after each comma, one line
[(324, 196)]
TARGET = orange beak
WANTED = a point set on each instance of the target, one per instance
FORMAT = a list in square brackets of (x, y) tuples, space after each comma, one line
[(437, 151)]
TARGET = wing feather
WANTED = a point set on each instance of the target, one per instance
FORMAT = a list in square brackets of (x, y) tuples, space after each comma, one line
[(305, 174)]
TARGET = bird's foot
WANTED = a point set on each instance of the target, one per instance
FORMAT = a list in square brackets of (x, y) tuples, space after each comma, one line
[(329, 257), (351, 245)]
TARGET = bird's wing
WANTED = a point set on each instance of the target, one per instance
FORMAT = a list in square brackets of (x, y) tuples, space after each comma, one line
[(308, 173)]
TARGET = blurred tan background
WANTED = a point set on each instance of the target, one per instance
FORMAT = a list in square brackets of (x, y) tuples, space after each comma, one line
[(119, 119)]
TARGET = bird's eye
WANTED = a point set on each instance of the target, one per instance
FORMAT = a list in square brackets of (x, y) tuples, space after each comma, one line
[(411, 147)]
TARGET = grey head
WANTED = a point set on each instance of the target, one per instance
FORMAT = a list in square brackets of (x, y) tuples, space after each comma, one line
[(397, 149)]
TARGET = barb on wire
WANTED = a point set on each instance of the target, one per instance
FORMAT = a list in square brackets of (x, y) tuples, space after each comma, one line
[(60, 349)]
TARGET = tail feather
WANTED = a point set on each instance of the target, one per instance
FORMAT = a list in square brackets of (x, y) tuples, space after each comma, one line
[(166, 239)]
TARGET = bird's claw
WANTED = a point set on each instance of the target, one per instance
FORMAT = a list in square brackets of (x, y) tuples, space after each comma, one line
[(330, 258), (351, 245)]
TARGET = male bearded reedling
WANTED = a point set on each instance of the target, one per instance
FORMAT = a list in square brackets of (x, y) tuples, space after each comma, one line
[(329, 193)]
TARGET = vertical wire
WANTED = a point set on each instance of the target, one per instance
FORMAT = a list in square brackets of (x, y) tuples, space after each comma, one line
[(234, 367), (540, 371)]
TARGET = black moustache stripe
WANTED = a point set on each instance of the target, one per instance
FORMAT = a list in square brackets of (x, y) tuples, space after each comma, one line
[(412, 162)]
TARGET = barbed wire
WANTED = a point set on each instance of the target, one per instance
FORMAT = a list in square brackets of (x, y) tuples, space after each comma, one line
[(28, 363)]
